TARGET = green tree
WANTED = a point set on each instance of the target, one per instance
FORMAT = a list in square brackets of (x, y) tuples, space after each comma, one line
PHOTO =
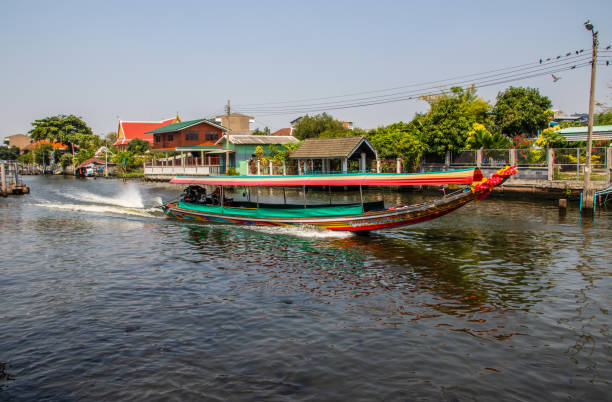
[(138, 146), (68, 129), (479, 137), (125, 159), (265, 131), (604, 118), (65, 160), (8, 153), (110, 138), (551, 138), (83, 155), (447, 124), (521, 111), (314, 126), (398, 140)]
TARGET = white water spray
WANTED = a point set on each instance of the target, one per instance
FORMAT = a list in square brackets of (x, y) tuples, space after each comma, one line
[(301, 231)]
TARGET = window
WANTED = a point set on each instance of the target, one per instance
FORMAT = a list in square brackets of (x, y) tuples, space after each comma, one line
[(212, 136), (157, 138), (191, 135), (170, 137)]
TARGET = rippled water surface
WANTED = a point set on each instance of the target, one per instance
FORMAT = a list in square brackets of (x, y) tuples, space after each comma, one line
[(104, 299)]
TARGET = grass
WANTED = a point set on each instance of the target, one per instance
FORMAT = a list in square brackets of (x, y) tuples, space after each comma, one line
[(130, 175), (571, 176)]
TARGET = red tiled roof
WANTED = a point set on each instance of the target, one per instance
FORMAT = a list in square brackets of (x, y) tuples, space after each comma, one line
[(56, 145), (137, 129), (283, 131)]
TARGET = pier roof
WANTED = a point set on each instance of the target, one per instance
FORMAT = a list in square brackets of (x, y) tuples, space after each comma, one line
[(341, 147)]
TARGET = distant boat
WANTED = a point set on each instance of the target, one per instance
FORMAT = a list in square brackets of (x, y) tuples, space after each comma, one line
[(195, 205)]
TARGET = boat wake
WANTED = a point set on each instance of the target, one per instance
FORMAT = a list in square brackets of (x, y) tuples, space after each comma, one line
[(104, 209), (127, 202), (129, 198), (301, 231)]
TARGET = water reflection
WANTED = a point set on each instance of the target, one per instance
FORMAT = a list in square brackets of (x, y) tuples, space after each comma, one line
[(99, 304)]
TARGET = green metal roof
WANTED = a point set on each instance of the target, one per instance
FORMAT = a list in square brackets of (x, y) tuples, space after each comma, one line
[(184, 124), (575, 130)]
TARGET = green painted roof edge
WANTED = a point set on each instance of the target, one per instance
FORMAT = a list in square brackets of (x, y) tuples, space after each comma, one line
[(197, 147), (182, 125)]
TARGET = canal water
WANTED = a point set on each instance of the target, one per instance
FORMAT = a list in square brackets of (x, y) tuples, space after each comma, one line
[(102, 298)]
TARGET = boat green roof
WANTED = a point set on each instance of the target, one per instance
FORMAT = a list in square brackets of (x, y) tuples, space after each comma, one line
[(184, 124)]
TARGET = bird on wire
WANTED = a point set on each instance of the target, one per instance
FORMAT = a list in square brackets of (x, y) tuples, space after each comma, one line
[(555, 78)]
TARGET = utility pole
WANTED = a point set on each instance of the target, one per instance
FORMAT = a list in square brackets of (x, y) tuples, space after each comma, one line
[(105, 157), (227, 136), (587, 198)]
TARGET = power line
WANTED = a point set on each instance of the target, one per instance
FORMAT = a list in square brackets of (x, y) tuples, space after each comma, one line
[(516, 73), (389, 98), (542, 63)]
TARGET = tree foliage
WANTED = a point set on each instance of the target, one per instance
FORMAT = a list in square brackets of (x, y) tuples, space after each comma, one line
[(138, 146), (479, 137), (451, 116), (321, 125), (398, 140), (604, 118), (521, 111), (8, 153), (265, 131), (111, 138), (550, 138), (68, 129)]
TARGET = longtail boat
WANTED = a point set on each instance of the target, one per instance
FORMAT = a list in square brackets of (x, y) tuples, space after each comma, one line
[(355, 217)]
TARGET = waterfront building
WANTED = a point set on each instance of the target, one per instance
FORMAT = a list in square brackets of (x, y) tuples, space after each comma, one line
[(130, 130), (187, 147), (202, 147), (20, 141), (95, 167)]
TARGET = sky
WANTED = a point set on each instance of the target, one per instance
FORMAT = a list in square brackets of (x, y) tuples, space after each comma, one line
[(148, 60)]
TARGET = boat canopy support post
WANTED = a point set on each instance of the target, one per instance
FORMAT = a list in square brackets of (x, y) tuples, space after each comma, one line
[(222, 196), (361, 195), (304, 196), (284, 195), (257, 196)]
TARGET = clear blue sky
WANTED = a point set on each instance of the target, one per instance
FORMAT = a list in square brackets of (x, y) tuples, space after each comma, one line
[(146, 60)]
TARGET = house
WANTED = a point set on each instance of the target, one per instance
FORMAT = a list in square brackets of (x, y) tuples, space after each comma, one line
[(188, 147), (18, 140), (243, 147), (334, 154), (284, 131), (580, 133), (129, 130), (237, 123)]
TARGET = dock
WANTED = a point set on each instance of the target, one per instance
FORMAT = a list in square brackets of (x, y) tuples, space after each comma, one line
[(10, 180)]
